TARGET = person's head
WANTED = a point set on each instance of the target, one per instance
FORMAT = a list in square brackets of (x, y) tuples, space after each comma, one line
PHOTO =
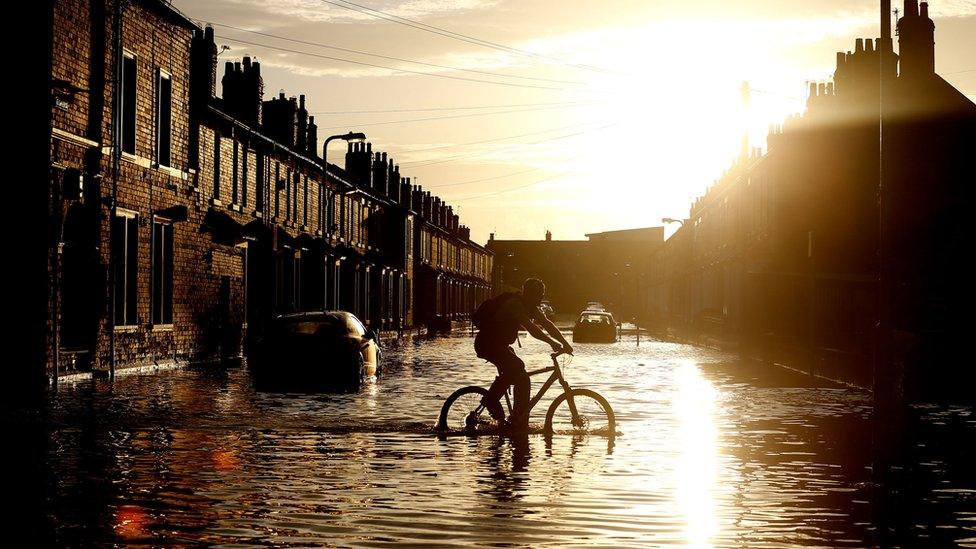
[(533, 291)]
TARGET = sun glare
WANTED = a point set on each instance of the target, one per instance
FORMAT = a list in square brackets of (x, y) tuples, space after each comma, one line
[(674, 100), (696, 471)]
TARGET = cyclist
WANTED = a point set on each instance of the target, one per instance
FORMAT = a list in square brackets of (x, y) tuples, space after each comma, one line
[(506, 315)]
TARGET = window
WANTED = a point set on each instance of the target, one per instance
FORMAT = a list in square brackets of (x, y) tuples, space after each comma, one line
[(277, 189), (164, 118), (244, 170), (304, 200), (127, 124), (234, 170), (216, 170), (259, 180), (162, 271), (294, 198), (288, 195), (125, 247)]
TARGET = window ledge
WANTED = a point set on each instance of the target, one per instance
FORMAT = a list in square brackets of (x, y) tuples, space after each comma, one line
[(127, 328), (162, 327), (257, 213), (137, 160), (216, 202), (173, 172)]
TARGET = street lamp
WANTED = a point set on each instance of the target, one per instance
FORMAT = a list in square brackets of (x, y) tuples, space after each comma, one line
[(672, 220), (351, 136), (324, 224)]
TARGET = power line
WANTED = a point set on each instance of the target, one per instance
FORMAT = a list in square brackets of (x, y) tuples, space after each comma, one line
[(391, 58), (394, 69), (496, 139), (520, 187), (430, 109), (452, 117), (422, 163), (958, 72), (453, 35), (483, 179)]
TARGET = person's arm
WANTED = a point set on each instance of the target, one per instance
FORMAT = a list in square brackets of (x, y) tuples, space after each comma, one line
[(537, 332), (541, 320), (551, 328)]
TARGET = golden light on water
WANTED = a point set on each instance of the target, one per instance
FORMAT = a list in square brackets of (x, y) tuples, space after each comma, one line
[(697, 469)]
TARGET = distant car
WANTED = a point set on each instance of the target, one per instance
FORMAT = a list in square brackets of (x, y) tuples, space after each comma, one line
[(315, 350), (594, 306), (546, 308), (595, 327)]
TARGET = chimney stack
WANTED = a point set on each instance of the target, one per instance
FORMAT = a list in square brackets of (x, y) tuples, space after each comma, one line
[(281, 120), (916, 41), (203, 69), (312, 138)]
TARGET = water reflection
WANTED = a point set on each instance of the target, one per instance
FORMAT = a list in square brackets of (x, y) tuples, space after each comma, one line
[(712, 453), (695, 474)]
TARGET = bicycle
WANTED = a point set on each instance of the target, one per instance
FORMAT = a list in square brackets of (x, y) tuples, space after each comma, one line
[(575, 410)]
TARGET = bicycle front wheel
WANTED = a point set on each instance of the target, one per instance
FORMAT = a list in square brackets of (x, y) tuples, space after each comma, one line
[(460, 412), (593, 414)]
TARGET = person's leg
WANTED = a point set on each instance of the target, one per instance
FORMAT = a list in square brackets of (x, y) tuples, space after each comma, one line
[(496, 356), (515, 375), (497, 389)]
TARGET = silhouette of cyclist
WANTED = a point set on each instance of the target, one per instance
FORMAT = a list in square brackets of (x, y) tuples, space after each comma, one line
[(511, 312)]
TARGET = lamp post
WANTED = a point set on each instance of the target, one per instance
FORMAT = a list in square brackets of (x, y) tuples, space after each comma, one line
[(350, 136), (672, 220)]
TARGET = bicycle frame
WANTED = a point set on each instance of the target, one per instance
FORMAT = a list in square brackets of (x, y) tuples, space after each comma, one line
[(557, 375)]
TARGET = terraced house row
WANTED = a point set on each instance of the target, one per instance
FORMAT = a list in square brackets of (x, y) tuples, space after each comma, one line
[(184, 221), (783, 257)]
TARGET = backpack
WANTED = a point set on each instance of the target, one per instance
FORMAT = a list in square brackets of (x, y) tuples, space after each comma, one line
[(485, 313)]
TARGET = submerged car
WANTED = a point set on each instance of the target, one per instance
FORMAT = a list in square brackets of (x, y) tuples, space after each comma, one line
[(546, 308), (594, 306), (595, 327), (316, 350)]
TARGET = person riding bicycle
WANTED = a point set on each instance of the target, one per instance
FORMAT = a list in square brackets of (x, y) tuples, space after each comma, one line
[(504, 317)]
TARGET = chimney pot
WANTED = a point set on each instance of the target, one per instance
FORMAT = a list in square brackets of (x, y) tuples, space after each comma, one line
[(859, 45), (911, 8), (925, 9)]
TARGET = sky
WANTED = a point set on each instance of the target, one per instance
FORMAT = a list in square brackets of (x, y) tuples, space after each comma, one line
[(571, 116)]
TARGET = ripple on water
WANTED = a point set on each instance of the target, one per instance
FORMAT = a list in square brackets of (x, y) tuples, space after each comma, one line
[(708, 456)]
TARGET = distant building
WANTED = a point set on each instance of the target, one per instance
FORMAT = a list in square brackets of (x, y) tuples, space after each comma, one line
[(781, 255), (607, 267)]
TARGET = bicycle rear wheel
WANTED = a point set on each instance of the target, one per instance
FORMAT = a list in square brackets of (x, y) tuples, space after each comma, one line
[(594, 415), (460, 412)]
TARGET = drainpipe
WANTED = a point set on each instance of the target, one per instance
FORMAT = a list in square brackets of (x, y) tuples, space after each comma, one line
[(116, 159)]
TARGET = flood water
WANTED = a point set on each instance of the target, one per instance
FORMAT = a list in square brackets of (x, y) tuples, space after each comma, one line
[(711, 453)]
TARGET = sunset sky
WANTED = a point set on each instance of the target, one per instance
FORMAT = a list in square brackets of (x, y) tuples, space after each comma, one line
[(570, 116)]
